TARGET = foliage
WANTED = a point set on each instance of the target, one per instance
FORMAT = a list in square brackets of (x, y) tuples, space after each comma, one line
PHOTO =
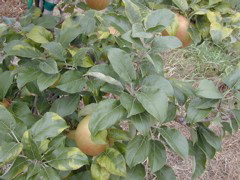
[(55, 73)]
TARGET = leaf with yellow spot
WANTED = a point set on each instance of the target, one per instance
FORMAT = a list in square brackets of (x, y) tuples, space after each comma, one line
[(31, 149), (50, 125), (99, 173), (19, 165), (219, 32), (9, 152), (113, 161), (67, 158), (214, 17), (40, 35)]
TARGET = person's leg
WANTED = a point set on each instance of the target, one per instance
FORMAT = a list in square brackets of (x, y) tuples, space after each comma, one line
[(48, 6)]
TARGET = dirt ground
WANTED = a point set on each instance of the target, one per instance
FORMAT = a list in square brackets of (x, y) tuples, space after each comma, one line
[(226, 164), (12, 8)]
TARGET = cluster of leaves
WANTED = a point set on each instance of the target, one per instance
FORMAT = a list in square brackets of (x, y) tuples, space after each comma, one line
[(54, 73), (218, 20)]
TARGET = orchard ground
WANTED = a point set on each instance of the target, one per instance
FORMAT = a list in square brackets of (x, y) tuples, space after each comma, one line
[(192, 63)]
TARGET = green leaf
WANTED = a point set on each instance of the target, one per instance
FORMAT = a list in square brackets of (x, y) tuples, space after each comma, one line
[(67, 158), (207, 89), (19, 129), (136, 173), (56, 50), (26, 75), (23, 112), (142, 122), (155, 103), (7, 121), (3, 27), (118, 134), (105, 78), (31, 148), (165, 43), (88, 109), (166, 173), (6, 80), (50, 125), (219, 32), (49, 66), (194, 114), (160, 17), (66, 105), (212, 2), (232, 78), (227, 127), (79, 58), (105, 69), (172, 112), (182, 90), (46, 80), (113, 161), (236, 114), (56, 142), (48, 21), (9, 152), (72, 82), (205, 147), (101, 137), (107, 113), (181, 4), (40, 35), (47, 173), (109, 88), (23, 51), (19, 165), (234, 125), (206, 103), (214, 140), (131, 104), (199, 163), (82, 175), (156, 61), (138, 31), (132, 11), (177, 142), (122, 64), (128, 41), (98, 172), (157, 156), (67, 35), (156, 82), (137, 150)]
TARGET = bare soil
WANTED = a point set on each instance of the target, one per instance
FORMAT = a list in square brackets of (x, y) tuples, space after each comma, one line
[(12, 8)]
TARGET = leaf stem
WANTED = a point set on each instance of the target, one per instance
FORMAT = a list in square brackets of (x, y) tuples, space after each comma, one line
[(15, 137)]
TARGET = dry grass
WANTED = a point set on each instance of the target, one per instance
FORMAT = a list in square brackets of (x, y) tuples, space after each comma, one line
[(189, 65), (12, 8), (224, 166)]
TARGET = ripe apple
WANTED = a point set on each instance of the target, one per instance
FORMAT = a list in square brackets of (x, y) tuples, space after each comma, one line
[(182, 31), (84, 141), (98, 4)]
